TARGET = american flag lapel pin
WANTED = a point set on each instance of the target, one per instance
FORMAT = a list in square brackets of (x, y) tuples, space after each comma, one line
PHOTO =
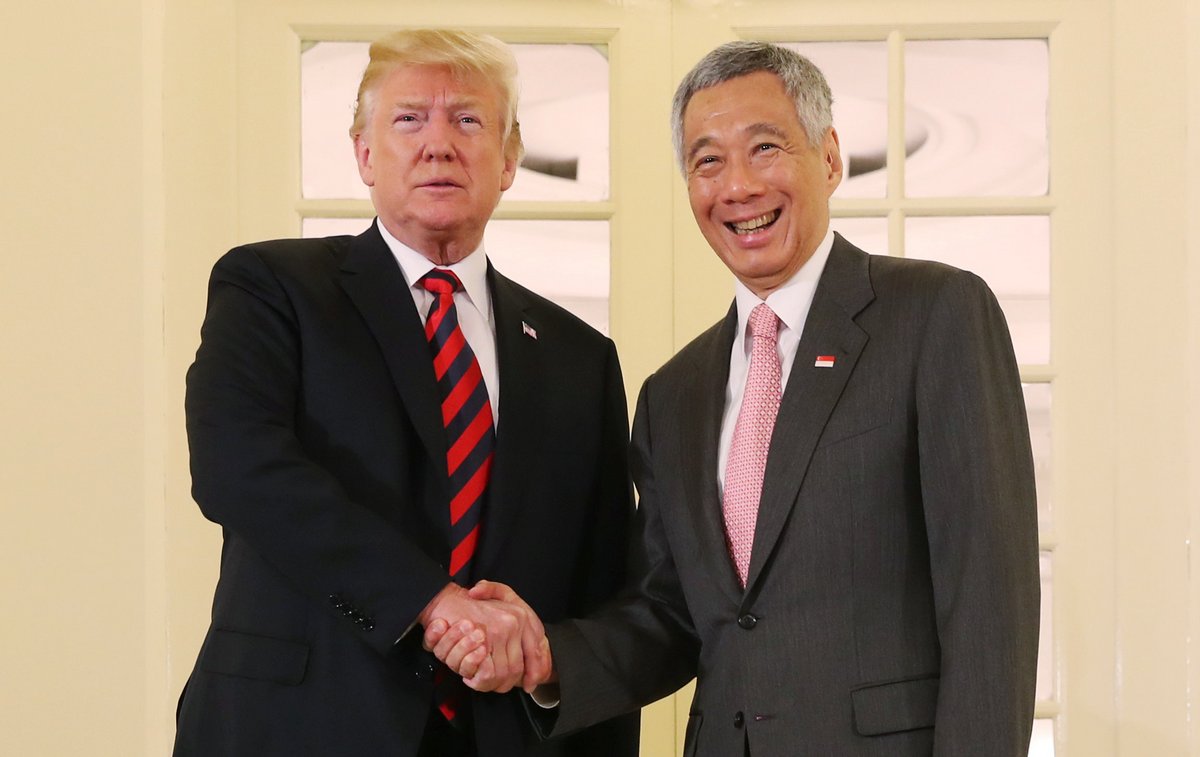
[(528, 330), (825, 361)]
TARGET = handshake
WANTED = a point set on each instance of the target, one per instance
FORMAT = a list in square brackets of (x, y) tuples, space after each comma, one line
[(489, 636)]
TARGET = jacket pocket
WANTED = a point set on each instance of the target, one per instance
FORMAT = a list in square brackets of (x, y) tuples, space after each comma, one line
[(851, 419), (246, 655), (894, 707)]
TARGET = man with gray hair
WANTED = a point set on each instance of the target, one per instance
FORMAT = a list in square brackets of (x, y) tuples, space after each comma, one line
[(378, 421), (837, 530)]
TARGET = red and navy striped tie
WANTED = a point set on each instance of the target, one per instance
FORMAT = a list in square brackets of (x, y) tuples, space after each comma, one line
[(470, 439)]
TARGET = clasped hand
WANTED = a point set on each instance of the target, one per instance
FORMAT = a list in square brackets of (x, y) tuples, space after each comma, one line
[(489, 636)]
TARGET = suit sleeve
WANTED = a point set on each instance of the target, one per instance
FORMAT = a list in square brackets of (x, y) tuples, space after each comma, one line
[(251, 475), (603, 559), (603, 556), (643, 646), (981, 519)]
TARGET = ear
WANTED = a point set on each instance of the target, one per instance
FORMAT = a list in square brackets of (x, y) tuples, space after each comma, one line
[(833, 159), (509, 173), (362, 156)]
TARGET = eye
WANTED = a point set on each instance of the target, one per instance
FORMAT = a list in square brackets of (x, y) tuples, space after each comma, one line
[(765, 147), (706, 165)]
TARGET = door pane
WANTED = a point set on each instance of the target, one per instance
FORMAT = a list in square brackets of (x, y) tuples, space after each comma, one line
[(1010, 253), (1042, 742), (563, 113), (982, 105), (1037, 406), (564, 261), (1045, 663), (857, 73), (868, 234)]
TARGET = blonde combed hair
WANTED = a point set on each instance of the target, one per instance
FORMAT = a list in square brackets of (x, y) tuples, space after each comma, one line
[(463, 52)]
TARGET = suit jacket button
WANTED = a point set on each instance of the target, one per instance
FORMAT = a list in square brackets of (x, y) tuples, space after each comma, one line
[(747, 621), (739, 720)]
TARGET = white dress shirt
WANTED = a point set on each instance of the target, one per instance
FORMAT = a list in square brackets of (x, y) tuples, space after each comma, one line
[(473, 303), (791, 303)]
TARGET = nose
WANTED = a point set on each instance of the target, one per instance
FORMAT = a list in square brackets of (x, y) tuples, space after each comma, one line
[(742, 182), (439, 141)]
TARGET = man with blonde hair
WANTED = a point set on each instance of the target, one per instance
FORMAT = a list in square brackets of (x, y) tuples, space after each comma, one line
[(344, 420)]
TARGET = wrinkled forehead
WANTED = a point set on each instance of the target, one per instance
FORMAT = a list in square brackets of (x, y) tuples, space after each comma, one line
[(459, 82)]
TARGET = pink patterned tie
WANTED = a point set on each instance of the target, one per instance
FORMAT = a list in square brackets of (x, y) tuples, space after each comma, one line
[(752, 438)]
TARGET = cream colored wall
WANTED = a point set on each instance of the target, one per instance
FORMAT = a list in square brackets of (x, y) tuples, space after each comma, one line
[(200, 208), (1152, 397), (82, 392), (121, 189), (1193, 353)]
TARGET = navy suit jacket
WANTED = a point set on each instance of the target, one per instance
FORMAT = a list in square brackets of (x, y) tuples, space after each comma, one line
[(316, 443)]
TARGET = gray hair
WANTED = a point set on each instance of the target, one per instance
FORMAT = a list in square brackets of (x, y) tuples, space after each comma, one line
[(802, 80)]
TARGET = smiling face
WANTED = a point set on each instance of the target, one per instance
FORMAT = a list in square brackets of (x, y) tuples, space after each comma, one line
[(758, 189), (433, 155)]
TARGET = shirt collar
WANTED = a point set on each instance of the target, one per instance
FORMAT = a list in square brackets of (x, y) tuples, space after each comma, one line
[(471, 270), (792, 300)]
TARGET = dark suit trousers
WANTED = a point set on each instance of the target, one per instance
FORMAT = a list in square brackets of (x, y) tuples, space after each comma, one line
[(444, 740)]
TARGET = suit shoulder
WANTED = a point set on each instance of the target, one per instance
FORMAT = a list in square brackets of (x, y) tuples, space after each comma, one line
[(909, 277), (283, 255), (283, 267)]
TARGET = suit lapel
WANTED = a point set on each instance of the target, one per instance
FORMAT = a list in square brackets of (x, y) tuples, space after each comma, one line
[(812, 392), (375, 284), (521, 364), (702, 403)]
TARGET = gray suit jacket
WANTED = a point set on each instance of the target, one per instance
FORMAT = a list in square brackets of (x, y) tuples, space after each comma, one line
[(893, 596)]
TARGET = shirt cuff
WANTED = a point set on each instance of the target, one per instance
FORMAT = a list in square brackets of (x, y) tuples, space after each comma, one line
[(546, 696)]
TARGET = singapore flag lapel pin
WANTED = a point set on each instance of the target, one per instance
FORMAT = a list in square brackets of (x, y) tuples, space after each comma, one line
[(825, 361)]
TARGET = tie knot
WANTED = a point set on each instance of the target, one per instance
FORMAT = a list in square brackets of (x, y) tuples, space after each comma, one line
[(764, 323), (441, 281)]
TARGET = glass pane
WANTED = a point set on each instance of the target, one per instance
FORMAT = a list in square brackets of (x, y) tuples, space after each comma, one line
[(566, 262), (1045, 665), (857, 73), (563, 113), (1042, 742), (982, 105), (867, 234), (1010, 253), (1037, 406), (564, 122)]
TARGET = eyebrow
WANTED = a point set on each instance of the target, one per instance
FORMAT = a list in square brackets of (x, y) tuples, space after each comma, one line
[(764, 127), (697, 146), (424, 102)]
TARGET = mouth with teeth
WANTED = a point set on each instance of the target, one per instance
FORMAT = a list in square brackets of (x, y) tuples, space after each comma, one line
[(754, 224)]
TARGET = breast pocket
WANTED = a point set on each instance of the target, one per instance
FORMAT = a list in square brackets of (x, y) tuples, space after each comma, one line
[(856, 414)]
